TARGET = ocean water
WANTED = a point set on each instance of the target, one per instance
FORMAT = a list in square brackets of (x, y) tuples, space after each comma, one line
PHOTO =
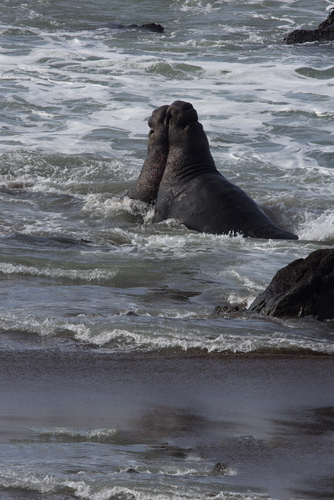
[(117, 382)]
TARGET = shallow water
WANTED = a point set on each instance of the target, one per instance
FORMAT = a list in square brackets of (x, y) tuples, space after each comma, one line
[(104, 315)]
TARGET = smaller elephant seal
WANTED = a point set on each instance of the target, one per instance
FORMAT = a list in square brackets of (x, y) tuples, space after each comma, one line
[(147, 185), (324, 33), (195, 193)]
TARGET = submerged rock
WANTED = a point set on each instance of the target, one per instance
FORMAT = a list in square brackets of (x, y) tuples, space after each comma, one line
[(219, 470), (130, 470), (148, 27), (324, 33), (224, 310), (303, 288)]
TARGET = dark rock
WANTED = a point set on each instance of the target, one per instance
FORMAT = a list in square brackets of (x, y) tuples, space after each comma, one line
[(131, 313), (224, 310), (219, 470), (303, 288), (130, 470), (157, 28), (153, 27), (324, 33)]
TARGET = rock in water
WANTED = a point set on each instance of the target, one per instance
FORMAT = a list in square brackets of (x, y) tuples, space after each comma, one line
[(303, 288), (324, 33), (148, 27)]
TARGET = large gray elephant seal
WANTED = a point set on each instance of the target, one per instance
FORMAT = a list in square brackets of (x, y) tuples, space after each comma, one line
[(193, 192), (147, 185)]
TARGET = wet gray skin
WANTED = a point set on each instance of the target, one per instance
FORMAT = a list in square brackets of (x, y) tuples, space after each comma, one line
[(195, 193), (147, 185)]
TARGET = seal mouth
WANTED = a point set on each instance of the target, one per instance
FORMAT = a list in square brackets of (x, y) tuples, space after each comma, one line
[(158, 117), (157, 123)]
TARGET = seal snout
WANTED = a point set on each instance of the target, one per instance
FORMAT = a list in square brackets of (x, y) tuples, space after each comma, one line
[(181, 113), (158, 116)]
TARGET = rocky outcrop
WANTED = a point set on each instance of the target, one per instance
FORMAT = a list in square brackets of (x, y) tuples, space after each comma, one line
[(324, 33), (303, 288)]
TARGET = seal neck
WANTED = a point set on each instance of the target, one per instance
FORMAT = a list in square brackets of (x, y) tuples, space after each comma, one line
[(189, 172)]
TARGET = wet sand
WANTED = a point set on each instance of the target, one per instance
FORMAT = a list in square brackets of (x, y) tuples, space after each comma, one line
[(268, 419)]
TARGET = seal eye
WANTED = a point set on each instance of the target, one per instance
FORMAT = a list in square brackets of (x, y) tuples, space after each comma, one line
[(151, 132)]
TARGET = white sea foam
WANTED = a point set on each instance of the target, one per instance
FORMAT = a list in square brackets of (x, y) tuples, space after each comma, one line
[(167, 336), (89, 489), (71, 274), (44, 90), (64, 434), (320, 228)]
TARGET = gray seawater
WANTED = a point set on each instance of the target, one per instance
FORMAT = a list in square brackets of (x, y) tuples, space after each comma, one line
[(116, 381)]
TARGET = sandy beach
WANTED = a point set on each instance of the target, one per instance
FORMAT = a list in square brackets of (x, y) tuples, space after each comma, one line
[(269, 420)]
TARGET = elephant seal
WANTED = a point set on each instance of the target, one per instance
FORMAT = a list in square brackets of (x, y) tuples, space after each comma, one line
[(194, 192), (147, 185)]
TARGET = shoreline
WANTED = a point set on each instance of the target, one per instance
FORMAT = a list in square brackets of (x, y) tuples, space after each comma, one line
[(85, 351)]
